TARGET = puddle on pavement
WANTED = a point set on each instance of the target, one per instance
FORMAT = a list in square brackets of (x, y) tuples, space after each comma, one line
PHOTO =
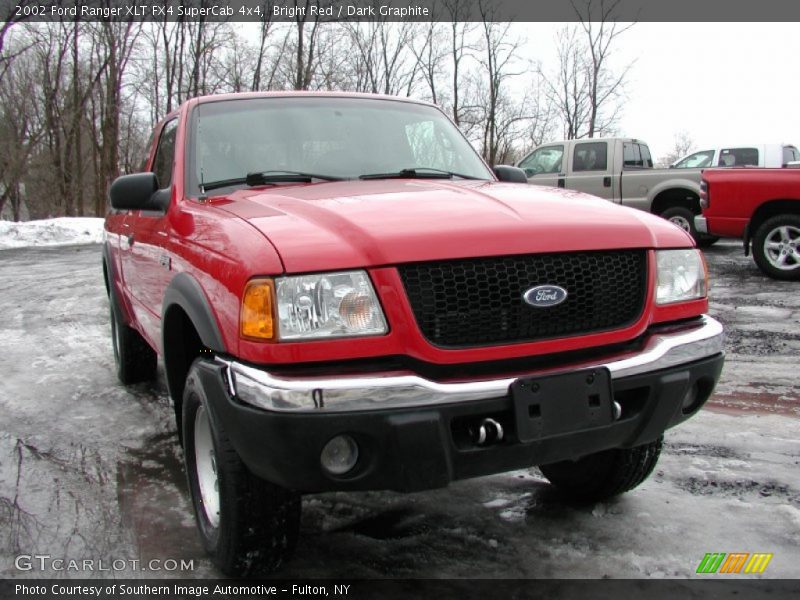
[(757, 401), (58, 500), (76, 502), (391, 524), (154, 503)]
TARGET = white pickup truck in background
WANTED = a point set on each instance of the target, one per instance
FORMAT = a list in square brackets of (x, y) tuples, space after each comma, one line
[(772, 156)]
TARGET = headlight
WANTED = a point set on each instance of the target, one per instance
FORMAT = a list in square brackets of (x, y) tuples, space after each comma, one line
[(327, 305), (681, 275)]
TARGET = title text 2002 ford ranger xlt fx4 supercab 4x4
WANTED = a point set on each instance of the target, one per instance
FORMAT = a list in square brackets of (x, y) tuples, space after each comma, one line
[(346, 297)]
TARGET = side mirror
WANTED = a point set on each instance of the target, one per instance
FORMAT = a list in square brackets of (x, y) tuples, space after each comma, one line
[(137, 192), (510, 174)]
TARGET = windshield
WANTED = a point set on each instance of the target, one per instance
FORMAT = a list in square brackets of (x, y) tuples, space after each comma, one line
[(331, 137), (698, 160)]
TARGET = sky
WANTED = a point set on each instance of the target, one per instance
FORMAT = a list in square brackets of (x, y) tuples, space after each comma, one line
[(721, 83)]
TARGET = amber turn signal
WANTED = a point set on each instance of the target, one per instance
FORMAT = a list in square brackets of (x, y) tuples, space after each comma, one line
[(257, 310)]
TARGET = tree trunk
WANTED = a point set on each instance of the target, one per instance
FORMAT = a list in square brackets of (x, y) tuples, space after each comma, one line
[(77, 114)]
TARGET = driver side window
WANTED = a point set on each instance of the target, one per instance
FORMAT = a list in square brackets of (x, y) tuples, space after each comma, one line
[(543, 160), (165, 155)]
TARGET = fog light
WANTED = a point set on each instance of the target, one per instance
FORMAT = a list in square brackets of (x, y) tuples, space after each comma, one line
[(690, 399), (339, 455)]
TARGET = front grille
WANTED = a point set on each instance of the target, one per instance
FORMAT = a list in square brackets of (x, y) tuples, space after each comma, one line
[(475, 302)]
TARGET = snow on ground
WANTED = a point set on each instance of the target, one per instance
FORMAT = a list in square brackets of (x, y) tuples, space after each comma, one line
[(51, 232)]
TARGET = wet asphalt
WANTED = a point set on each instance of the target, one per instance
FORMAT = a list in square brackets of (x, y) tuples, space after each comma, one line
[(90, 469)]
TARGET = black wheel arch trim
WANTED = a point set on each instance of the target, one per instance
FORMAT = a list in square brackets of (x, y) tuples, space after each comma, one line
[(117, 300), (746, 237), (185, 291)]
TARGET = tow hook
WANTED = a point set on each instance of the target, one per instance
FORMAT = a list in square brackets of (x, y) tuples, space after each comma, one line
[(617, 410), (489, 432)]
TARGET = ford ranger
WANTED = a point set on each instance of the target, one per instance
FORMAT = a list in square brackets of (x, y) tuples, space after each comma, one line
[(346, 297), (620, 170), (761, 206)]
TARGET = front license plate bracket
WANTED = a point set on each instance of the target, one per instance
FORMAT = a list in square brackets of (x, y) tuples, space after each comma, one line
[(554, 405)]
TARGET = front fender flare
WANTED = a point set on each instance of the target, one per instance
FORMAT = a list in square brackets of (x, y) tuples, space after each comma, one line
[(185, 291), (677, 184)]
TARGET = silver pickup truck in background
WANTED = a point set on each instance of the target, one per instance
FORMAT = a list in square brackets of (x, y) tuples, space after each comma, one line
[(620, 170)]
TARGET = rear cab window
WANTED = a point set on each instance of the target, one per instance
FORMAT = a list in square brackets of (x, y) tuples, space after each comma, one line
[(636, 156), (738, 157)]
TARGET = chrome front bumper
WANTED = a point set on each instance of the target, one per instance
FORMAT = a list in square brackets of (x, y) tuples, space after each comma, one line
[(662, 348), (700, 224)]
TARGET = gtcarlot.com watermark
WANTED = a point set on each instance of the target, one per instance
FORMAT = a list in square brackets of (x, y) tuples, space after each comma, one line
[(46, 562)]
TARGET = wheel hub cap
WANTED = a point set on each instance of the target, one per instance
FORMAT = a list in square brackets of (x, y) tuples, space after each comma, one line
[(206, 467), (682, 223), (780, 247)]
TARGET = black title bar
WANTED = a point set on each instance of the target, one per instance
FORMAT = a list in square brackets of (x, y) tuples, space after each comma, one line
[(401, 10)]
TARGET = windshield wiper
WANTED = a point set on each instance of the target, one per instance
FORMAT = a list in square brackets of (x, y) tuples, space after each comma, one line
[(221, 183), (418, 173), (262, 177), (269, 177)]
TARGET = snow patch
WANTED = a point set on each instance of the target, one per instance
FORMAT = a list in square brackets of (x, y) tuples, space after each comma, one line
[(514, 514), (497, 503), (51, 232)]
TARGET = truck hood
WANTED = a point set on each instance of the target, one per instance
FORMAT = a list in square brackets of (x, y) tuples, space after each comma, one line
[(351, 224)]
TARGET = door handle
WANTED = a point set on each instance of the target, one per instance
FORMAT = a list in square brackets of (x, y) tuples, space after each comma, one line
[(607, 181)]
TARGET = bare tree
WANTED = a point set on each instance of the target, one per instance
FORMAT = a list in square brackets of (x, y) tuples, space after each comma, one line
[(305, 45), (605, 86), (459, 31), (568, 88), (155, 64), (429, 52), (263, 36), (96, 90), (383, 58), (52, 47), (20, 131), (117, 41), (7, 20), (238, 65), (541, 115), (335, 62), (498, 58), (76, 130), (683, 145)]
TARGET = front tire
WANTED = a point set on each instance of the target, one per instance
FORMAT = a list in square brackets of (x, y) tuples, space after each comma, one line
[(247, 525), (776, 247), (605, 474), (684, 218)]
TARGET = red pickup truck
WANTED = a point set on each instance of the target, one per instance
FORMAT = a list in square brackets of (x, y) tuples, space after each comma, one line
[(346, 297), (761, 206)]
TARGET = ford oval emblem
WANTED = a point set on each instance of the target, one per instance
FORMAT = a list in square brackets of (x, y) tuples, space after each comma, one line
[(543, 296)]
